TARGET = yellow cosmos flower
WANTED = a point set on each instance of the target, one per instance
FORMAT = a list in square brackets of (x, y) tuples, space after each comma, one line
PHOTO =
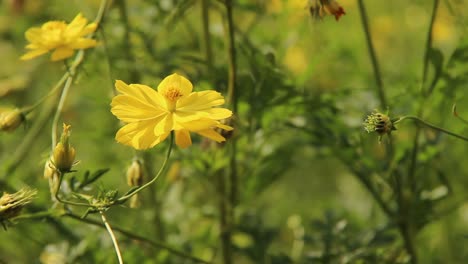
[(58, 36), (151, 115)]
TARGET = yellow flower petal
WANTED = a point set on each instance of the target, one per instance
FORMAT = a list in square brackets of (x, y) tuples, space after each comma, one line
[(32, 54), (143, 93), (182, 138), (83, 43), (90, 28), (211, 134), (139, 135), (179, 82), (76, 26), (225, 127), (164, 126), (33, 34), (62, 53), (200, 124), (129, 109), (200, 100)]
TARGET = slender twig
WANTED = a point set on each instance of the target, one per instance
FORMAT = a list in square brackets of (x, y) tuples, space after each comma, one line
[(420, 121), (57, 190), (71, 72), (163, 166), (127, 44), (373, 56), (428, 49), (207, 35), (59, 109), (111, 233), (408, 233), (227, 210), (139, 238)]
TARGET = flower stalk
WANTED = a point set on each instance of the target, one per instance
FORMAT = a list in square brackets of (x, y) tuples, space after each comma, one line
[(111, 234)]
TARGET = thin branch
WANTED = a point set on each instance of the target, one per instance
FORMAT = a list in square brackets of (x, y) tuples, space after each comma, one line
[(139, 238), (373, 56), (111, 233)]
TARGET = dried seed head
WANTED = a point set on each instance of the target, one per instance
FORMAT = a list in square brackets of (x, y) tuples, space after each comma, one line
[(378, 122), (11, 204)]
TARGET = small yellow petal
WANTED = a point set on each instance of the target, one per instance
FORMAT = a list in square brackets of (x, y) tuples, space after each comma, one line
[(182, 138), (90, 28), (143, 93), (83, 43), (211, 134), (200, 100), (33, 34), (179, 82), (62, 53), (34, 53), (164, 126), (200, 124)]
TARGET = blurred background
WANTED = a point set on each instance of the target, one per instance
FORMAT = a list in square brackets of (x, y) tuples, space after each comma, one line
[(308, 173)]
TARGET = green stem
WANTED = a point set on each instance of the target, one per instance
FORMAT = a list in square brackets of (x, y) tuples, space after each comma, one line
[(28, 109), (163, 166), (419, 120), (373, 56), (59, 109), (59, 213), (57, 190), (207, 36), (139, 238), (114, 240), (428, 49), (127, 44)]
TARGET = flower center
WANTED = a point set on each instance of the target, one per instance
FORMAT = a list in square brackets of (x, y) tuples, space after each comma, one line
[(172, 94)]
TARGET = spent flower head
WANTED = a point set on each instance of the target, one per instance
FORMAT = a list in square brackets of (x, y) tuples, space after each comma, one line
[(10, 119), (12, 204), (151, 115), (378, 122), (61, 38)]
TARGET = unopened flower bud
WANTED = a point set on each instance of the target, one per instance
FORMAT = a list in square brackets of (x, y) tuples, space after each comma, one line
[(11, 204), (10, 119), (135, 174), (64, 153)]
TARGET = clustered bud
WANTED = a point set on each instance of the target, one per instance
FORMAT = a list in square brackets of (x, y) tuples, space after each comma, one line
[(10, 119), (63, 157), (12, 204)]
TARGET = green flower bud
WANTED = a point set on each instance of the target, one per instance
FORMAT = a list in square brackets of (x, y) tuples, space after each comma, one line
[(64, 154), (10, 119)]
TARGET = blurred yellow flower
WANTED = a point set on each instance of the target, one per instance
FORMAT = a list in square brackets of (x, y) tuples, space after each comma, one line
[(151, 115), (320, 8), (63, 39)]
